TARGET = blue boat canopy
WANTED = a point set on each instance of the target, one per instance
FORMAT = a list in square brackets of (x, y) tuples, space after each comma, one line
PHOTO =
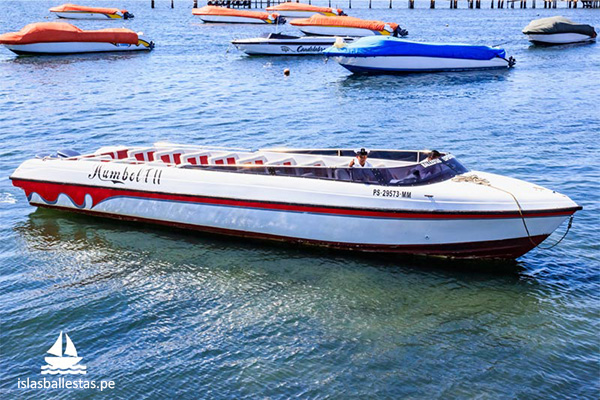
[(376, 46)]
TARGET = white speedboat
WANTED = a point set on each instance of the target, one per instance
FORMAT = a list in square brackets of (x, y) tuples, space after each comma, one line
[(286, 45), (558, 30), (405, 203), (54, 38), (303, 10), (232, 16), (73, 11), (346, 26), (378, 54)]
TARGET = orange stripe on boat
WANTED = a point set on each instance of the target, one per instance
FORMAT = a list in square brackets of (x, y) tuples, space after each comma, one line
[(348, 22), (230, 12), (75, 7), (303, 7), (50, 32)]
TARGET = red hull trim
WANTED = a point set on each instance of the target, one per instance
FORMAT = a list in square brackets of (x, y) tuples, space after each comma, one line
[(50, 191), (496, 249)]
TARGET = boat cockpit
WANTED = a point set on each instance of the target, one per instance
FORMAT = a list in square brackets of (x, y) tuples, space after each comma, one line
[(389, 167)]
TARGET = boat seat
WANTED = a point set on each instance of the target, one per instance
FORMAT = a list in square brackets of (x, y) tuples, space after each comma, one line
[(257, 160), (230, 158), (146, 154), (284, 161), (199, 158), (116, 154), (316, 163), (169, 156)]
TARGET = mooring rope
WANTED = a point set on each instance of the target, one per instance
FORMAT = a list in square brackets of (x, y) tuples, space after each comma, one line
[(482, 181)]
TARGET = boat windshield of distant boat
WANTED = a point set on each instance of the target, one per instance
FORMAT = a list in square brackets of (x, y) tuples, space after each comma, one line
[(558, 30), (287, 45), (303, 10), (233, 16), (346, 26), (377, 54), (62, 38), (73, 11), (408, 201)]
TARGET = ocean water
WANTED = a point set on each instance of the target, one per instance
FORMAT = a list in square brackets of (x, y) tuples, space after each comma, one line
[(165, 313)]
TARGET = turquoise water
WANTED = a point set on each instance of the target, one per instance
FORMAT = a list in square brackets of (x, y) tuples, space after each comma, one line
[(165, 313)]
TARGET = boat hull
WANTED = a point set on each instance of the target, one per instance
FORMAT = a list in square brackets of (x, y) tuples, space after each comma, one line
[(86, 15), (75, 47), (559, 38), (460, 234), (230, 19), (318, 30), (408, 64), (62, 362), (285, 47)]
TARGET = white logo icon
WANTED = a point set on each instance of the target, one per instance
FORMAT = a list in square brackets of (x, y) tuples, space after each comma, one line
[(63, 364)]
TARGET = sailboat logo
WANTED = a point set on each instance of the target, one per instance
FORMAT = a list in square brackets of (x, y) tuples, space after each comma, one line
[(63, 363)]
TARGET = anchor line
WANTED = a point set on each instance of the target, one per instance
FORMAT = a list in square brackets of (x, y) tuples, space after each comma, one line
[(480, 181)]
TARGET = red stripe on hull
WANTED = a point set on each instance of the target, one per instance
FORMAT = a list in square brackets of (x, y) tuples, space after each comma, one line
[(496, 249), (50, 191)]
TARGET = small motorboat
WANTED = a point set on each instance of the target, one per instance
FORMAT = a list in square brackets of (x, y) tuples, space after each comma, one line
[(73, 11), (558, 30), (62, 38), (384, 54), (302, 10), (346, 26), (286, 45), (233, 16), (405, 201)]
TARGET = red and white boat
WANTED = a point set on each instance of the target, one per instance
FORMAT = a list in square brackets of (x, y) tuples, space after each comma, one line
[(302, 10), (404, 203), (346, 26), (54, 38), (73, 11), (233, 16)]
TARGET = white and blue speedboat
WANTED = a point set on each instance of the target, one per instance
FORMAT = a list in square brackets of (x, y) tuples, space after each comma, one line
[(377, 54)]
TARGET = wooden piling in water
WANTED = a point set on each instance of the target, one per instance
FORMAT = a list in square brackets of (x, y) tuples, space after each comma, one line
[(432, 4), (411, 3), (151, 3), (172, 4), (195, 3)]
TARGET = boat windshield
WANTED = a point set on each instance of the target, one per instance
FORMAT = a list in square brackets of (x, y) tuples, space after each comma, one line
[(423, 173)]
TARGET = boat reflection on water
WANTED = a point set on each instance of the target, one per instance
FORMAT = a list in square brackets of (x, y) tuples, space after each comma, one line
[(90, 240)]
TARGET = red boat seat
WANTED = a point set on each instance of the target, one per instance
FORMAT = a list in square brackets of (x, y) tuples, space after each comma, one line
[(284, 161), (257, 160), (230, 158), (200, 158), (142, 154)]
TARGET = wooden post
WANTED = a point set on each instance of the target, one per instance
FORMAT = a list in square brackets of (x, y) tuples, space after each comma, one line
[(369, 3), (492, 5), (533, 4), (478, 4), (455, 3), (151, 3), (349, 3), (390, 3), (195, 3), (329, 4), (411, 3), (432, 4), (172, 5)]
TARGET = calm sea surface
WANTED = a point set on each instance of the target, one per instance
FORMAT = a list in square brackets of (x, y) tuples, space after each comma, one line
[(165, 313)]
